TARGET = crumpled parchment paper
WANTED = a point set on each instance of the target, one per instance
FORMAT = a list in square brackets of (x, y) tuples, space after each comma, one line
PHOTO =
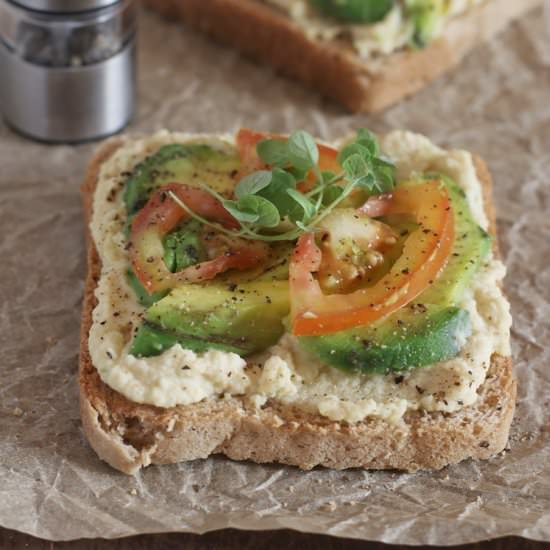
[(51, 483)]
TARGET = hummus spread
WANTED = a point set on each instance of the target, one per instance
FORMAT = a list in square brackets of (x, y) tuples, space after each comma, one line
[(285, 372)]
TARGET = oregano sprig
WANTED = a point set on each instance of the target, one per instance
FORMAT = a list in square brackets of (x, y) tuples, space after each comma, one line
[(268, 204)]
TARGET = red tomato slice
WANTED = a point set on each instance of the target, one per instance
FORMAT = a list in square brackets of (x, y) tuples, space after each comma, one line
[(160, 215), (425, 253), (250, 162)]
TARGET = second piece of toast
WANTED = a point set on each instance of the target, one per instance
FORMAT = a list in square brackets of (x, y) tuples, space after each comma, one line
[(332, 68)]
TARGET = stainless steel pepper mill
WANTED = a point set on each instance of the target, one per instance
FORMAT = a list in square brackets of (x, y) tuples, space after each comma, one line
[(67, 67)]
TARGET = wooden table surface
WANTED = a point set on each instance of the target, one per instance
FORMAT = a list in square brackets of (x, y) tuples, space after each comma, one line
[(231, 539)]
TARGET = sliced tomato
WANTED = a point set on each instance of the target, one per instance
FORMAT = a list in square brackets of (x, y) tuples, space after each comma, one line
[(247, 140), (424, 255), (353, 247), (161, 214)]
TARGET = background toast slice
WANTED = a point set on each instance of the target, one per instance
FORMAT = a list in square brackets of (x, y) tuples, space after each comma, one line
[(268, 36), (129, 435)]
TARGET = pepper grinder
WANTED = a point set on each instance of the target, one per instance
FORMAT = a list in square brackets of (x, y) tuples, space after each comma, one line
[(67, 67)]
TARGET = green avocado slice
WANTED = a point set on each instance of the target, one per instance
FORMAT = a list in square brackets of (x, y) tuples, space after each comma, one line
[(426, 17), (244, 318), (355, 11), (192, 164), (433, 328), (417, 335), (151, 340)]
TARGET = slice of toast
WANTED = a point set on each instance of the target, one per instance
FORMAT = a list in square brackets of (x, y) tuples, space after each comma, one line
[(336, 71), (129, 435)]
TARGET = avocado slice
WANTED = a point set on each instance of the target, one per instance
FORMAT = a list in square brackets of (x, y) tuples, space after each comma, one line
[(192, 163), (429, 330), (471, 247), (143, 297), (183, 247), (355, 11), (416, 335), (151, 340), (244, 318), (426, 17)]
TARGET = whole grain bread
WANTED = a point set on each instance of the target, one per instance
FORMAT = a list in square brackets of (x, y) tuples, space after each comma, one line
[(333, 68), (129, 435)]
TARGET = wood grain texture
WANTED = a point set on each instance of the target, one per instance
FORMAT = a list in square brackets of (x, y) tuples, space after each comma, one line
[(231, 539)]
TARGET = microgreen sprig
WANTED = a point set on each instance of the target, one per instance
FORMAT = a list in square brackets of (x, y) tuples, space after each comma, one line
[(268, 204)]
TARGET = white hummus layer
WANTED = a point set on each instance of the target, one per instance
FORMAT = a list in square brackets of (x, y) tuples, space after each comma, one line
[(394, 32), (285, 372)]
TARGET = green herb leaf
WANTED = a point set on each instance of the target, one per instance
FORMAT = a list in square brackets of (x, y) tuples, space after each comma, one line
[(384, 175), (308, 208), (265, 197), (367, 139), (251, 184), (268, 215), (303, 150), (355, 166), (328, 177), (332, 193), (276, 192), (274, 152), (253, 209), (354, 149), (299, 175), (241, 215)]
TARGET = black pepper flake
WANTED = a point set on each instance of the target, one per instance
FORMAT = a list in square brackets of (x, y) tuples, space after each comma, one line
[(420, 390), (399, 379), (484, 444), (366, 344), (232, 287)]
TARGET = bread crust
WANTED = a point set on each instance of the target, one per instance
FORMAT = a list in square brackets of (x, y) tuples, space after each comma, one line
[(129, 435), (335, 70)]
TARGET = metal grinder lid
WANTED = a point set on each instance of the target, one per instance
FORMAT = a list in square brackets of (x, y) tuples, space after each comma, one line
[(64, 6)]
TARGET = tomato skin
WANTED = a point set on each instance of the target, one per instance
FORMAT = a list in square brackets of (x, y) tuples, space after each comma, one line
[(425, 253), (160, 215)]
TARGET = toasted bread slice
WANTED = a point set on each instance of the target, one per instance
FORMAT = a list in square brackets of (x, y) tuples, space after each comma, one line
[(336, 71), (129, 435)]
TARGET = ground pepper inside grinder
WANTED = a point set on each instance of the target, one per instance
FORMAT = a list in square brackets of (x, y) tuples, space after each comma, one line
[(67, 67)]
